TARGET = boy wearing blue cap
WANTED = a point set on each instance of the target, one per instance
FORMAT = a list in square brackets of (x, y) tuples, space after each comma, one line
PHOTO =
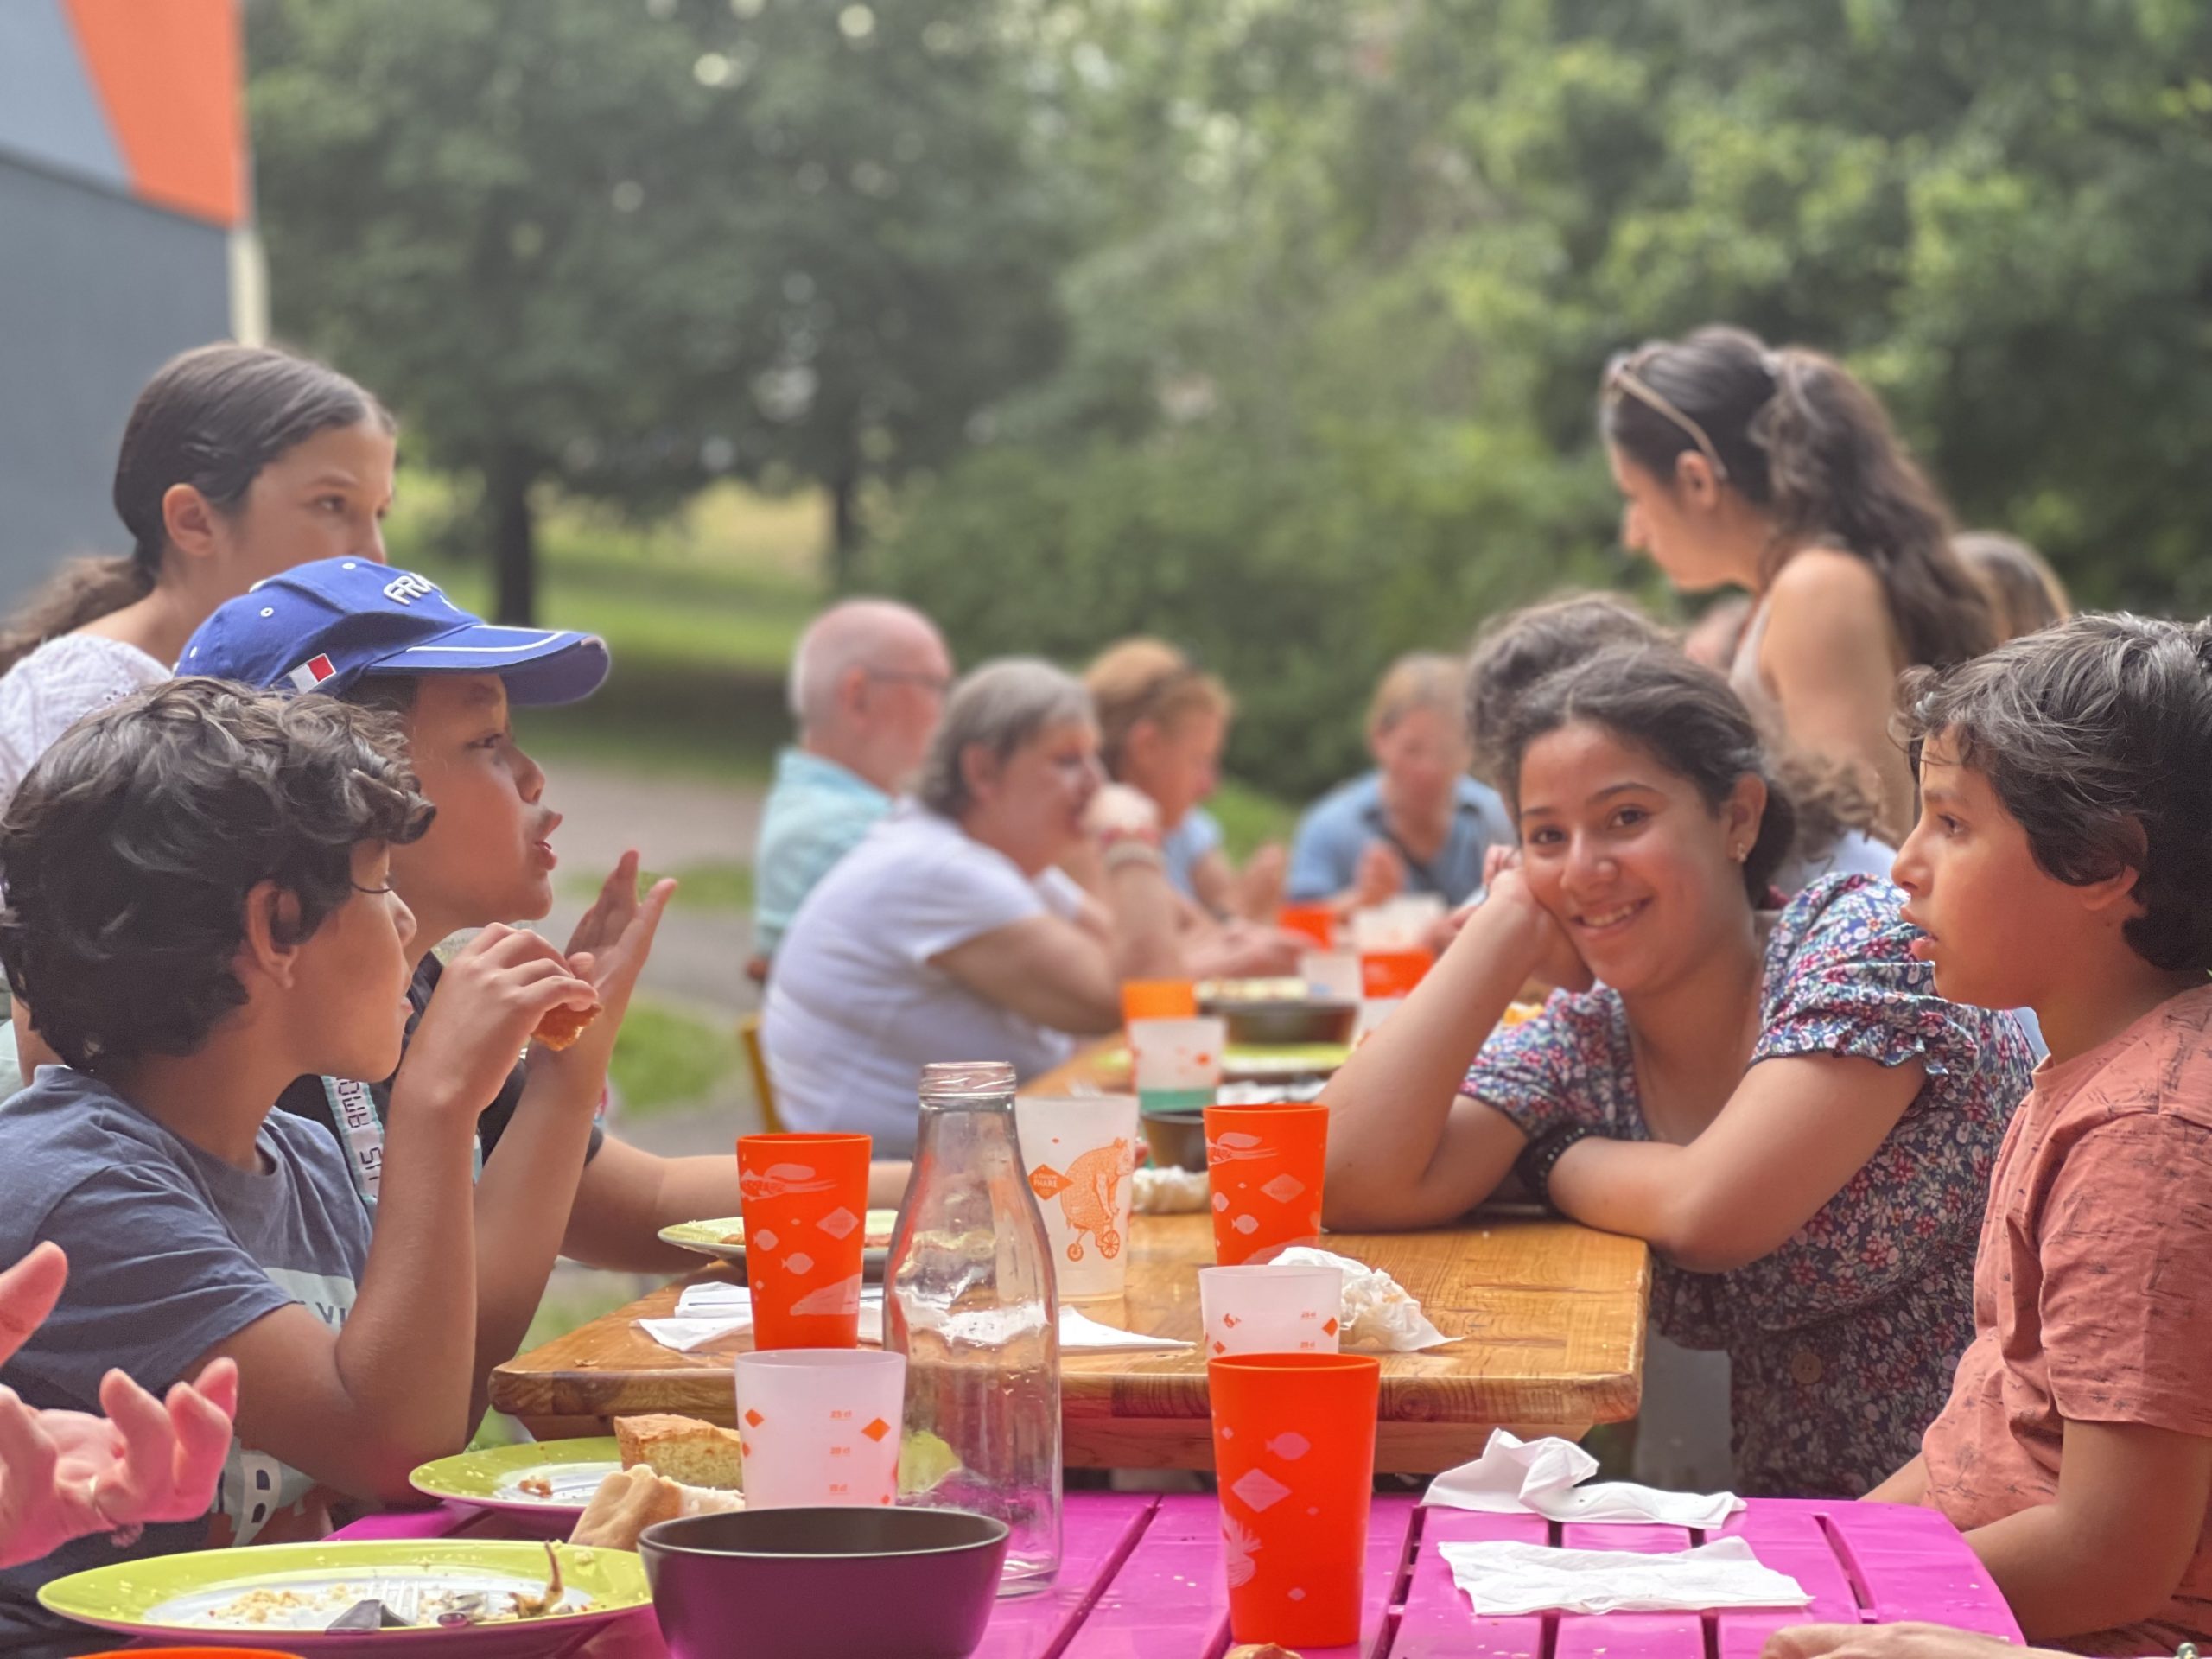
[(391, 639)]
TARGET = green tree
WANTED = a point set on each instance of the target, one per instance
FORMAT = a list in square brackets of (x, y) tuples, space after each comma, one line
[(1351, 272), (626, 247)]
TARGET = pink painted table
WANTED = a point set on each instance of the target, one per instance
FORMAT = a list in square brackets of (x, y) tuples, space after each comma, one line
[(1142, 1578)]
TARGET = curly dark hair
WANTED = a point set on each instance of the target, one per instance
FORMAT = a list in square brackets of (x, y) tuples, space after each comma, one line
[(1515, 652), (127, 853), (2097, 735), (1681, 715)]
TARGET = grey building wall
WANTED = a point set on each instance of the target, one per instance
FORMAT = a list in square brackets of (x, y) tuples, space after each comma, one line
[(97, 291)]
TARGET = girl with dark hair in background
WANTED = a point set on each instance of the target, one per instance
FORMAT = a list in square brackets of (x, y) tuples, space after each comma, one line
[(1835, 817), (238, 462), (1778, 472), (2024, 592), (1778, 1101)]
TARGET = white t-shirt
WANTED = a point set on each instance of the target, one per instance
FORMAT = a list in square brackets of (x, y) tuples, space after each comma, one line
[(56, 686), (856, 1008)]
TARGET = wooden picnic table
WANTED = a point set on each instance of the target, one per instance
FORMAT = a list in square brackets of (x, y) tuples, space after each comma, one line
[(1551, 1315), (1140, 1578)]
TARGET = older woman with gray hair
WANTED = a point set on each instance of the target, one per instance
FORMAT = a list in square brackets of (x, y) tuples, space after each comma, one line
[(951, 934)]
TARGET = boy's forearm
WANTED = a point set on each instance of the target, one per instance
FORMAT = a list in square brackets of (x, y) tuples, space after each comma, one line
[(2063, 1580), (407, 1353), (1908, 1485), (626, 1196), (522, 1203)]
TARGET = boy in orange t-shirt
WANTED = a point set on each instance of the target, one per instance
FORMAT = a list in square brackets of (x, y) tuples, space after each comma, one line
[(2063, 860)]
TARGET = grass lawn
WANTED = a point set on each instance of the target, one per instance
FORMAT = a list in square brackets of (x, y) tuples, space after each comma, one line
[(717, 884), (669, 1056)]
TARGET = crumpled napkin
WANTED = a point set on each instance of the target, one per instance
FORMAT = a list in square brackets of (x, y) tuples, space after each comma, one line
[(1545, 1477), (1377, 1312), (1510, 1577), (708, 1312), (1169, 1192)]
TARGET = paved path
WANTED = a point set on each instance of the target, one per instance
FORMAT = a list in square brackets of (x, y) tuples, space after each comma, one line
[(700, 954)]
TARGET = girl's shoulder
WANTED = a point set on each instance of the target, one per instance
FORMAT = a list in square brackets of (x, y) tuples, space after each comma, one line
[(1824, 575), (90, 668), (1839, 918)]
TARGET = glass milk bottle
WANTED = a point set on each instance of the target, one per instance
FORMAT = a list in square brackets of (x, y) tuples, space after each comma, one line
[(970, 1301)]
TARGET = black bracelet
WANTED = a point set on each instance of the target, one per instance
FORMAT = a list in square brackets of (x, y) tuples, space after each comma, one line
[(1542, 1156)]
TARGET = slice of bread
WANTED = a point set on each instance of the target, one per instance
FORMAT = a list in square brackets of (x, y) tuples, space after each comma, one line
[(630, 1500), (681, 1448)]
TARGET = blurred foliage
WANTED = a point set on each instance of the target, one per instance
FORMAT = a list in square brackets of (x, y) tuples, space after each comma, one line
[(1352, 270), (631, 247), (1271, 326)]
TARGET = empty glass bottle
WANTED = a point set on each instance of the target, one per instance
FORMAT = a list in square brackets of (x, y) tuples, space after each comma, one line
[(970, 1301)]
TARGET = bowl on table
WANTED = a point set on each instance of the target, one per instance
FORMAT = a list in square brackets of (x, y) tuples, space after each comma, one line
[(1277, 1013), (826, 1582), (1178, 1139)]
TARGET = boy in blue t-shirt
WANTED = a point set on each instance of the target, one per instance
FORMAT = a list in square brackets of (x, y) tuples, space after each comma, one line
[(389, 639), (198, 905)]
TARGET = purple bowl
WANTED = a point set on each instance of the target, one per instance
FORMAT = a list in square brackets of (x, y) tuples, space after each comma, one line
[(827, 1583)]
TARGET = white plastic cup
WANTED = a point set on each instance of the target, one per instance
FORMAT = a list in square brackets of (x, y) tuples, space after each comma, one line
[(820, 1426), (1331, 974), (1267, 1310), (1400, 924), (1178, 1062), (1079, 1157)]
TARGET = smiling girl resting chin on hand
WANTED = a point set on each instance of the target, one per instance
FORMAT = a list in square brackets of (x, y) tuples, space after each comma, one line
[(1778, 1101)]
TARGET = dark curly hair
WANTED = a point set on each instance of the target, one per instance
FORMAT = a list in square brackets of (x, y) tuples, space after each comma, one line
[(2097, 735), (1515, 651), (127, 853), (1681, 715)]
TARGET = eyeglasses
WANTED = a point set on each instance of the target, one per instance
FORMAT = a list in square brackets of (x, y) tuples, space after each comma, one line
[(1621, 377), (939, 683)]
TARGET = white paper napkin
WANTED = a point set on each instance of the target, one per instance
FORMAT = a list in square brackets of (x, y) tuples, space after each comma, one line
[(1504, 1578), (1079, 1330), (1545, 1477), (706, 1312), (1377, 1312)]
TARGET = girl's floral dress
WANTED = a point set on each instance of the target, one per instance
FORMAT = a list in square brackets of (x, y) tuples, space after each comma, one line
[(1842, 1341)]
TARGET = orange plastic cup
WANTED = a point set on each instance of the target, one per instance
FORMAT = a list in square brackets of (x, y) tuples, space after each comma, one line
[(1159, 999), (1316, 922), (805, 1199), (1294, 1450), (1393, 973), (1265, 1164)]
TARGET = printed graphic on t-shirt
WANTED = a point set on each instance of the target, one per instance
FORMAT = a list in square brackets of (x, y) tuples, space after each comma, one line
[(262, 1501)]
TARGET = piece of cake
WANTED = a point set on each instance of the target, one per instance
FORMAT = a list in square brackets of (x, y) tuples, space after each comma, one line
[(681, 1448)]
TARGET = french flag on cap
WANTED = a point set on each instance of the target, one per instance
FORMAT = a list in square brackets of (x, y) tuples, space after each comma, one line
[(311, 673)]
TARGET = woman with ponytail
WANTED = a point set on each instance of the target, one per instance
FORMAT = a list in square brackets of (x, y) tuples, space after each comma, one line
[(1774, 1096), (1778, 472), (238, 462)]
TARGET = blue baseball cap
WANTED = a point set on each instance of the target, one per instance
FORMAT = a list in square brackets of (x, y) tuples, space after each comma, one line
[(325, 626)]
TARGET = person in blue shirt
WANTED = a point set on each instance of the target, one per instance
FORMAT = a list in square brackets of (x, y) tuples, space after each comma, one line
[(868, 685), (1417, 823)]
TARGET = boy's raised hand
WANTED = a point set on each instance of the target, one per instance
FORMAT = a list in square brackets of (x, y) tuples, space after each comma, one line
[(65, 1474), (489, 1000), (616, 934)]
